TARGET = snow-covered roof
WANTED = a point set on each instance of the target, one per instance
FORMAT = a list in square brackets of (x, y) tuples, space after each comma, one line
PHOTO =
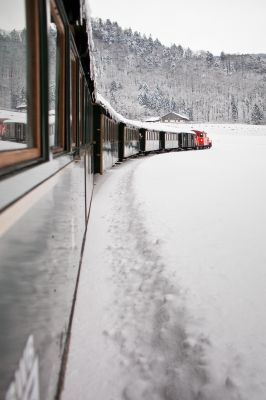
[(153, 126), (177, 115), (14, 116)]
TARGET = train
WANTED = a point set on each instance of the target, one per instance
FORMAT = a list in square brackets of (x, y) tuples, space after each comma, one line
[(49, 155), (115, 139)]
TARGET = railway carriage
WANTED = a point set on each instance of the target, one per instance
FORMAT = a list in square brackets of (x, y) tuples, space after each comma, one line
[(14, 130), (129, 144), (13, 127), (170, 141), (186, 140), (106, 131), (150, 141)]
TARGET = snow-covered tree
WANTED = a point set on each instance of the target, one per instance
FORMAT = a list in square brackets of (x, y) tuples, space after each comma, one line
[(256, 115), (180, 51), (234, 109), (209, 58)]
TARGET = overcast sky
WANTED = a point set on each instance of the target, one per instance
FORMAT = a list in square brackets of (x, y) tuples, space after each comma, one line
[(12, 14), (232, 26)]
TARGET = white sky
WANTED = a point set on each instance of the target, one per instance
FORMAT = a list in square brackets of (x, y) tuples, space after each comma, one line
[(12, 14), (232, 26)]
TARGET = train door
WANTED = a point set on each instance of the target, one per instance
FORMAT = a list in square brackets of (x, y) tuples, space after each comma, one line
[(180, 140), (162, 140), (142, 139), (122, 132)]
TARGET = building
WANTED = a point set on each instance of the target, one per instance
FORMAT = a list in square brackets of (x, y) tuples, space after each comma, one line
[(174, 117)]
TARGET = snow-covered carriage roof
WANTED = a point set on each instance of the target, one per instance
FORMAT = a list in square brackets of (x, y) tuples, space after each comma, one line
[(13, 116), (153, 126)]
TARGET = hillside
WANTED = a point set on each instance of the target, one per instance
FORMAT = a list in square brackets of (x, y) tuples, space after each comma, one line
[(141, 77)]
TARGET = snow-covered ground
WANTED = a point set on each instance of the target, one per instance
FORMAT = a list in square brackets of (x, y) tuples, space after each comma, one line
[(171, 300)]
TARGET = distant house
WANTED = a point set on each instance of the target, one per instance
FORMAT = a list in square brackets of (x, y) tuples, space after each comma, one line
[(174, 117)]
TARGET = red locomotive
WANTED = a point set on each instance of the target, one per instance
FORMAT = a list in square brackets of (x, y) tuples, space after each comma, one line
[(202, 141)]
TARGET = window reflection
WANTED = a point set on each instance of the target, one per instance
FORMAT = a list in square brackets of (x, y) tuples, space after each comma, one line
[(53, 85), (73, 99), (14, 133)]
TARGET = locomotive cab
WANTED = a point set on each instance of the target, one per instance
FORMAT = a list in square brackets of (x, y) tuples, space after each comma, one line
[(201, 140)]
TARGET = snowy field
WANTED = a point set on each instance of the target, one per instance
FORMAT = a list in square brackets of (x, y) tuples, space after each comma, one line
[(171, 300)]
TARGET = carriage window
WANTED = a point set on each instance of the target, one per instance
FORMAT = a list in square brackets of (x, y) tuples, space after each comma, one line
[(53, 85), (73, 98), (56, 44), (14, 133), (20, 83), (88, 117), (81, 109)]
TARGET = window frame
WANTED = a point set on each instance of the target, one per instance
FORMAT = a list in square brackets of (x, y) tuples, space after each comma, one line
[(9, 158), (61, 77), (81, 108)]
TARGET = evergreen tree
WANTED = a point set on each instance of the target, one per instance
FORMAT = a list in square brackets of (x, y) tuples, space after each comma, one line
[(188, 53), (256, 115), (222, 57), (234, 109), (113, 87), (180, 51), (209, 58)]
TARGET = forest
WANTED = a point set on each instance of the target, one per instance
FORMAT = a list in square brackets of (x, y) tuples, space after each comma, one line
[(13, 91), (143, 78)]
